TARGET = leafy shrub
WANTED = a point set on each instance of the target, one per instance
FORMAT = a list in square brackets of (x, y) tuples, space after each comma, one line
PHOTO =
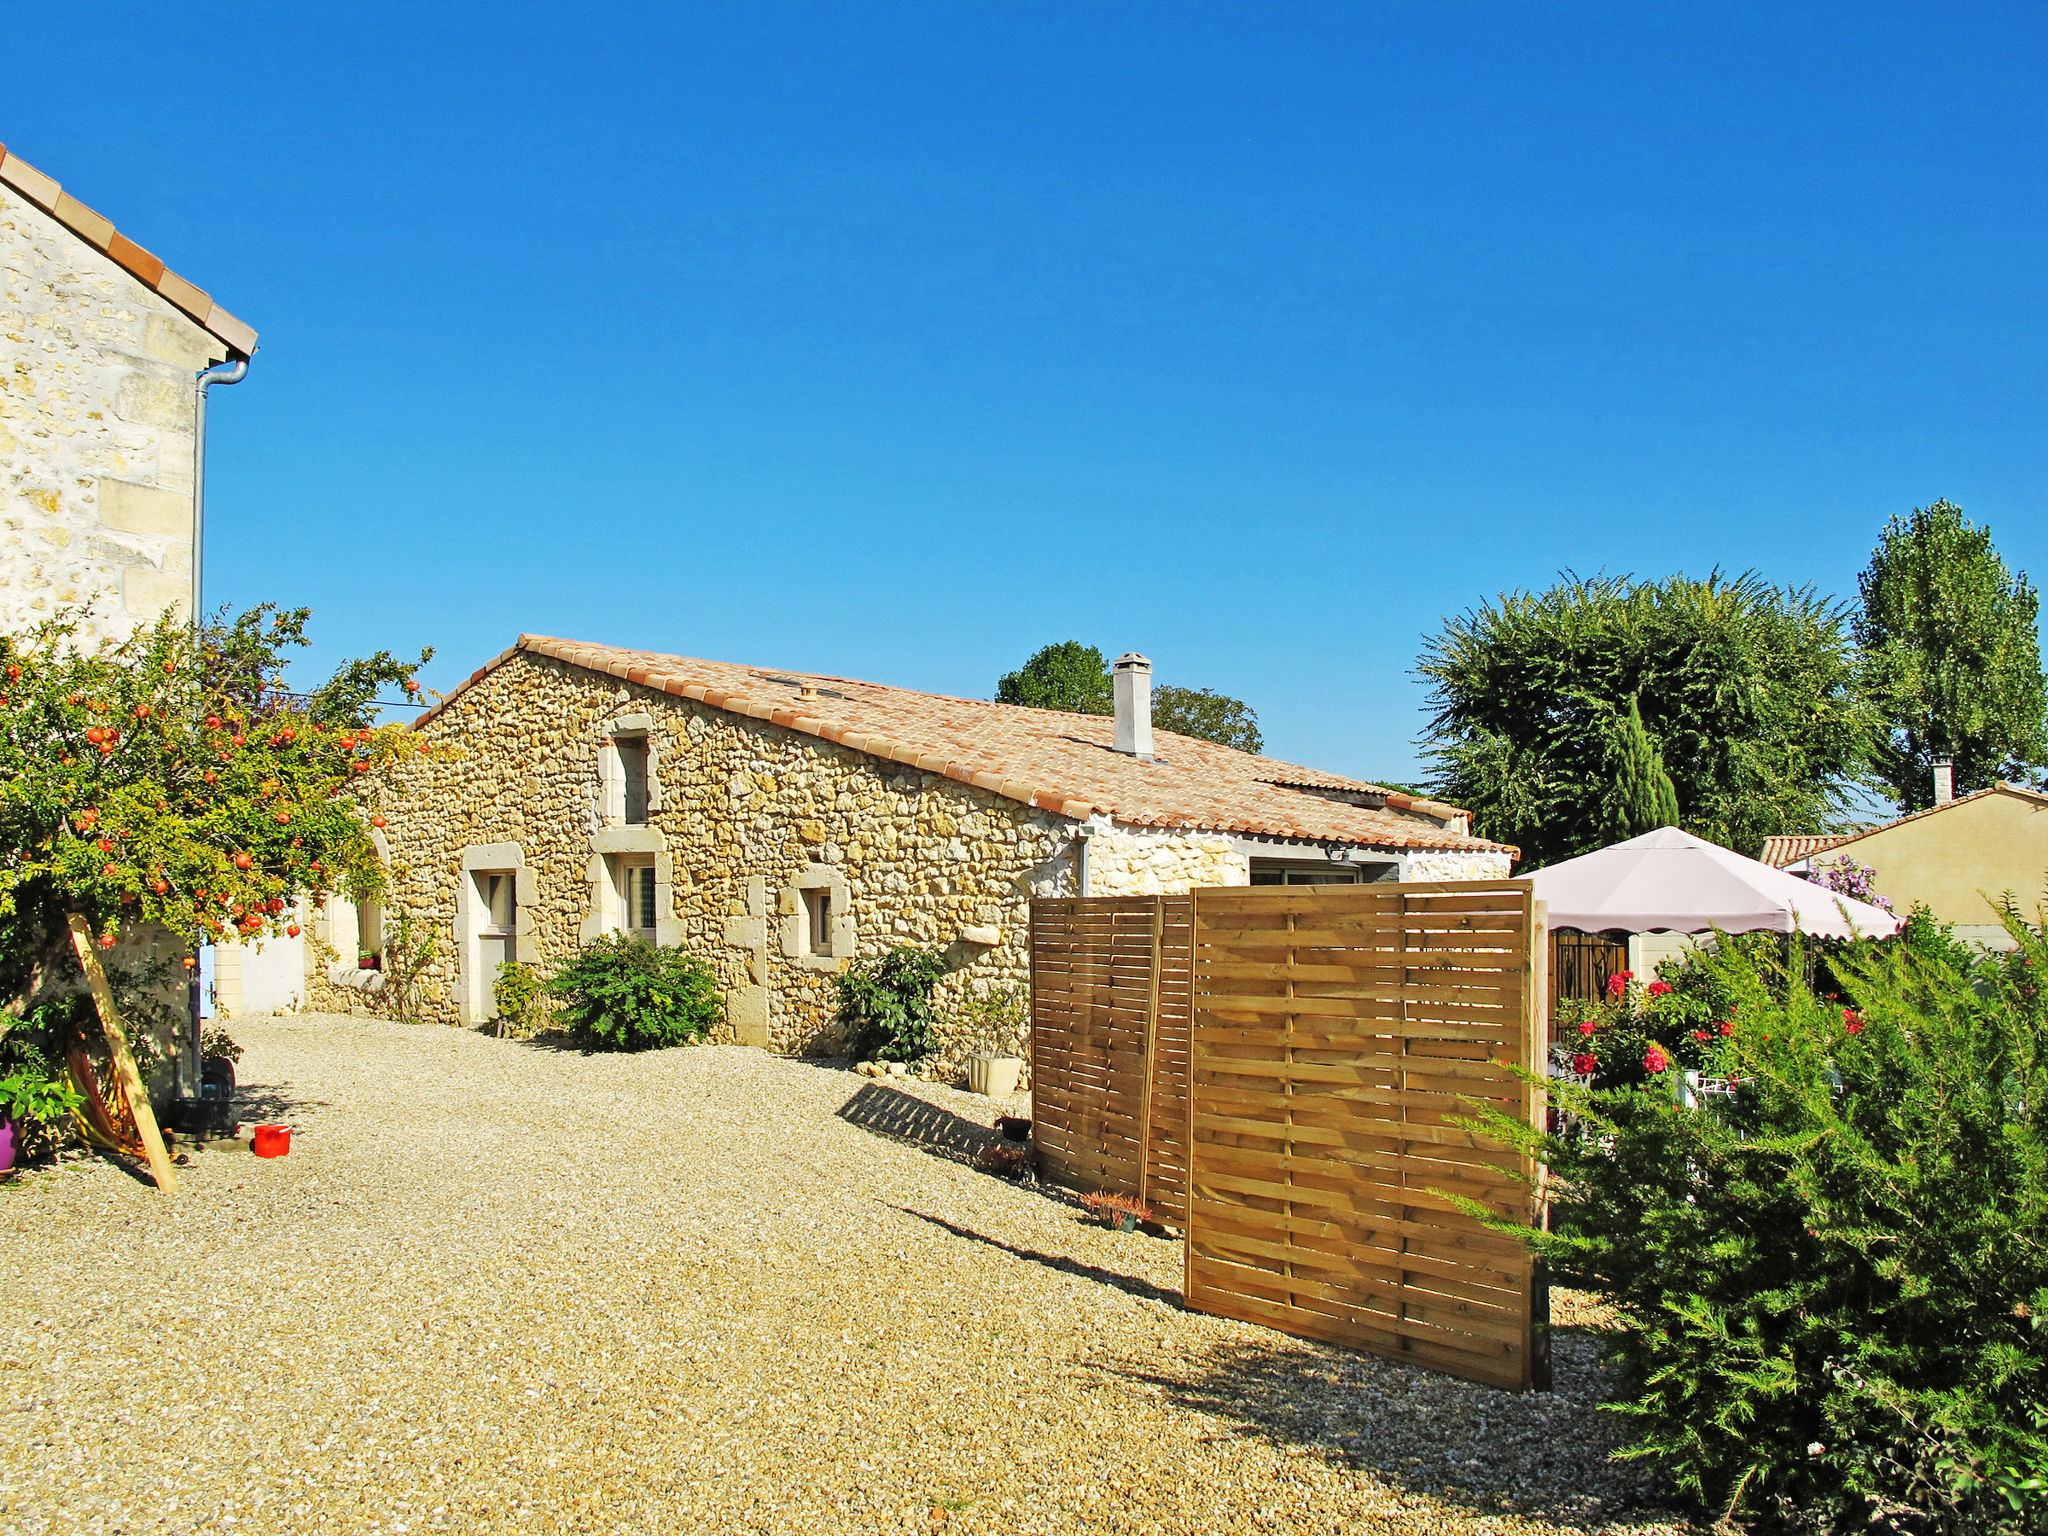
[(218, 1042), (885, 1006), (628, 996), (996, 1020), (33, 1086), (518, 990), (1830, 1276)]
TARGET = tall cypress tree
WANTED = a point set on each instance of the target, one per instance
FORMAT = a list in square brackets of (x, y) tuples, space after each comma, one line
[(1952, 655), (1641, 797)]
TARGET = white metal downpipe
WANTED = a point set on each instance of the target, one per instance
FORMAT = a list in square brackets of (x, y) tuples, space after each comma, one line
[(231, 372)]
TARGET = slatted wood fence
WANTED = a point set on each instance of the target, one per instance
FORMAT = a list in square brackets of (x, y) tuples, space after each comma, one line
[(1336, 1030), (1111, 998)]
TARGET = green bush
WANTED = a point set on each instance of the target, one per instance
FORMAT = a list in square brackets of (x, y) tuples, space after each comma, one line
[(518, 990), (885, 1006), (627, 996), (1832, 1277)]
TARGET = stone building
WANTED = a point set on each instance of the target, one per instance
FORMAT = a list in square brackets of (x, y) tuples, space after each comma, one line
[(101, 412), (783, 824)]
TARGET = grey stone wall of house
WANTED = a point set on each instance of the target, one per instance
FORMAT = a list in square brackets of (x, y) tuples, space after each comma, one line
[(744, 819), (97, 416)]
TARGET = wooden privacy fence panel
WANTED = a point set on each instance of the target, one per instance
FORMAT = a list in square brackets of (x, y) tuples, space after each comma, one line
[(1336, 1031), (1111, 994)]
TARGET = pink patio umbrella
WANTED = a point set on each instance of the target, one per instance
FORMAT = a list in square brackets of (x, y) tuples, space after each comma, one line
[(1671, 880)]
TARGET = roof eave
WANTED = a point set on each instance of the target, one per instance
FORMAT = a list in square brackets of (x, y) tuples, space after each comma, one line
[(98, 232)]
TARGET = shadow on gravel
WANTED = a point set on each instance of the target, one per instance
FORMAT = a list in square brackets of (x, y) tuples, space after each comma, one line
[(905, 1117), (271, 1101), (1129, 1284), (1535, 1453)]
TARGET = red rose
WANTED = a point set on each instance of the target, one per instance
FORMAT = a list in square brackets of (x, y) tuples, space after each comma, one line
[(1584, 1064), (1654, 1059), (1699, 1034), (1725, 1028), (1617, 984), (1658, 988), (1587, 1026)]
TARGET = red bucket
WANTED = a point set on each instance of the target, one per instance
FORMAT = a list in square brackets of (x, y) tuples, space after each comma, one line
[(272, 1140)]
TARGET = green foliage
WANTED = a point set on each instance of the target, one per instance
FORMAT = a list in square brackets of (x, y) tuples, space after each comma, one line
[(411, 946), (1069, 676), (1746, 692), (1954, 656), (219, 1043), (1208, 716), (33, 1084), (169, 778), (1074, 677), (1642, 798), (519, 992), (1830, 1275), (623, 995), (996, 1019), (885, 1006)]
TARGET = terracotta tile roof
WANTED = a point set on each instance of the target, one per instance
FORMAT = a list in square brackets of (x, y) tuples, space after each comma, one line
[(101, 235), (1780, 851), (1058, 762)]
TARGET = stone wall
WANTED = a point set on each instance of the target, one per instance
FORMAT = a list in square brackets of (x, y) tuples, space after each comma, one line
[(96, 431), (1452, 864), (1144, 861), (743, 816)]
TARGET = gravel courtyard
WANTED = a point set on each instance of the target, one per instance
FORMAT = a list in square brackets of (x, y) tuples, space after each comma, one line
[(502, 1287)]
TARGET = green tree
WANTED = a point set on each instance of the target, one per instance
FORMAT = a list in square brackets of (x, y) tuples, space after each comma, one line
[(1207, 715), (1953, 655), (1746, 692), (1642, 798), (170, 780), (1068, 676), (1074, 677)]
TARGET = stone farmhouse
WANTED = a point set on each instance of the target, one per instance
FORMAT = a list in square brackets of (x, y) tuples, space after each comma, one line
[(783, 824), (105, 358)]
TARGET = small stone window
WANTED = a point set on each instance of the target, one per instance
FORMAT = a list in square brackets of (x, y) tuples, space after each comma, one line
[(632, 752), (815, 913), (817, 917)]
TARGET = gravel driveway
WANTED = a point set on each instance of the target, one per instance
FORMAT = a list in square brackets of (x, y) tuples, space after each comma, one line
[(500, 1287)]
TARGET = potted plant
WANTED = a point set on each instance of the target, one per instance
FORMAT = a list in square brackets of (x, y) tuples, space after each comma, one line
[(995, 1022), (30, 1093), (1118, 1212)]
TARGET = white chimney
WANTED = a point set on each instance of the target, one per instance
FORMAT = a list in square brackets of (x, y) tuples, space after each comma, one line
[(1944, 768), (1134, 705)]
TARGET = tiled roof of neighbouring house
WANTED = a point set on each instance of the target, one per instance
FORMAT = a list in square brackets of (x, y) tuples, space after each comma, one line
[(1780, 851), (101, 235), (1058, 762)]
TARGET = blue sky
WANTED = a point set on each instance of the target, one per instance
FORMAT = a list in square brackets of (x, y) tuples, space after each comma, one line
[(898, 340)]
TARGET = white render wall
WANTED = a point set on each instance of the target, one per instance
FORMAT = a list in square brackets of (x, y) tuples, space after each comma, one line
[(97, 412)]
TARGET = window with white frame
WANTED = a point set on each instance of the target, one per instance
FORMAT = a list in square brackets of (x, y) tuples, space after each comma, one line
[(637, 906)]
